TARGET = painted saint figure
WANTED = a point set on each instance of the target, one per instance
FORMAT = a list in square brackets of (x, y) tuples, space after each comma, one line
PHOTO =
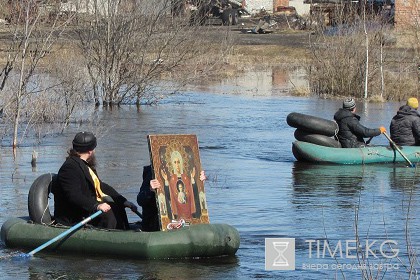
[(182, 197), (181, 184)]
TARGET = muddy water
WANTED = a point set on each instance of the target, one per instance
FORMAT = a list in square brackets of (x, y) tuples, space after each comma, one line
[(254, 184)]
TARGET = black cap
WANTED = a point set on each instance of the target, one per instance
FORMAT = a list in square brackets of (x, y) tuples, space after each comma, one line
[(349, 104), (84, 142)]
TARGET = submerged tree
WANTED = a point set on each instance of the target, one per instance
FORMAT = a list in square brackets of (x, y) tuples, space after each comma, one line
[(32, 34), (132, 50), (116, 52)]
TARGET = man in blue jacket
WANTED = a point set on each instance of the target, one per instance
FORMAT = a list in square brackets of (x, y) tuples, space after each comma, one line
[(405, 125), (351, 132)]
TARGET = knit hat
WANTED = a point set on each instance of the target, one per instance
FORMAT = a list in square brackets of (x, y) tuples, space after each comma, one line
[(84, 142), (413, 102), (349, 104)]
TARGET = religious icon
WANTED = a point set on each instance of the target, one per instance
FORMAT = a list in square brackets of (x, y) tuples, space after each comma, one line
[(176, 164)]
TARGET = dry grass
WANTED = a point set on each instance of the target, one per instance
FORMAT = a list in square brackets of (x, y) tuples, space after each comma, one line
[(405, 39), (62, 49), (268, 55), (377, 99), (300, 91)]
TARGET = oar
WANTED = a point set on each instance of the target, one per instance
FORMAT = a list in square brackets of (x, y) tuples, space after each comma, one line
[(138, 213), (67, 232), (399, 150)]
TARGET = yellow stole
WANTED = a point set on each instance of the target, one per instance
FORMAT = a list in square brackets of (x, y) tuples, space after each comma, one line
[(99, 194)]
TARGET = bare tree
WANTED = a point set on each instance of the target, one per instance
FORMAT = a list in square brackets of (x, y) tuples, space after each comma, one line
[(70, 91), (366, 47), (32, 35), (131, 51), (349, 58)]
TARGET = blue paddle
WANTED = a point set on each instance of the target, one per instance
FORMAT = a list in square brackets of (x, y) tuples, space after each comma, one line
[(67, 232)]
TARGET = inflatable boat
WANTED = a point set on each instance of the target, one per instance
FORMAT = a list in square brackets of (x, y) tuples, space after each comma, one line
[(198, 240), (304, 151)]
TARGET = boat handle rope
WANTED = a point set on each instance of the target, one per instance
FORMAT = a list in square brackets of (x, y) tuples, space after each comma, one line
[(47, 207)]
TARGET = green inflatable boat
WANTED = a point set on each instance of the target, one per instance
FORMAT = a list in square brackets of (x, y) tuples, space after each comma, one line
[(201, 240), (304, 151), (197, 240)]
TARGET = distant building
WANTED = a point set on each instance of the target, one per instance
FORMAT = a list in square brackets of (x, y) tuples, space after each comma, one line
[(93, 6), (407, 13), (301, 7), (254, 6)]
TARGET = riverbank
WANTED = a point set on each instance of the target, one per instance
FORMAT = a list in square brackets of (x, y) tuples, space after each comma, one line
[(339, 61), (249, 52), (291, 44), (235, 50)]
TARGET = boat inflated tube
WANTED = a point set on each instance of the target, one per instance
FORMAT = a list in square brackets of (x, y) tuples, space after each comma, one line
[(38, 206), (322, 140), (312, 124), (194, 241)]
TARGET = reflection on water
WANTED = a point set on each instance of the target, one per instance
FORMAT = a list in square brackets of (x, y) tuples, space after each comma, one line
[(87, 268), (370, 202), (335, 181), (266, 82), (254, 184), (308, 177)]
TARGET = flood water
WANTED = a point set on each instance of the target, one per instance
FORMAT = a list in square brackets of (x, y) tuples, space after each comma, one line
[(254, 184)]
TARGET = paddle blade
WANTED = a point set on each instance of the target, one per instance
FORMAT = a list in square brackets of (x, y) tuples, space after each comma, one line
[(21, 257), (65, 233)]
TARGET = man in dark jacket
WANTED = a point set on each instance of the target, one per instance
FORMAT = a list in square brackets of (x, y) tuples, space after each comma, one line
[(405, 125), (351, 132), (78, 192), (146, 198)]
